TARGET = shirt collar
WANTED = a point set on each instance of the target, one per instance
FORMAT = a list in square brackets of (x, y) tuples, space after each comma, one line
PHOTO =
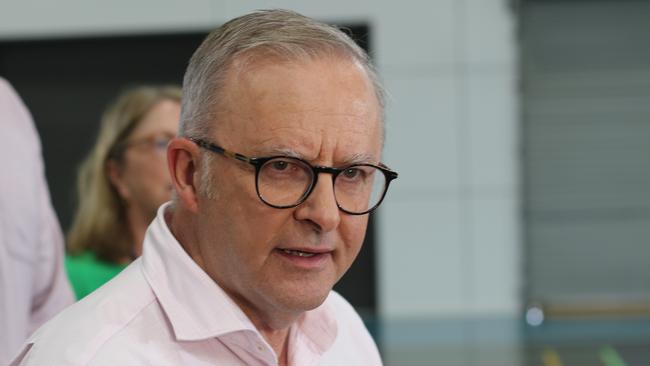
[(314, 333), (196, 306), (199, 309)]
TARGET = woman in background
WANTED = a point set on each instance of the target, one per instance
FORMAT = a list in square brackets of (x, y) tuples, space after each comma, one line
[(121, 184)]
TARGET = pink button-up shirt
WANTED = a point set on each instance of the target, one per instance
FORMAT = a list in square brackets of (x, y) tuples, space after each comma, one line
[(33, 285), (165, 310)]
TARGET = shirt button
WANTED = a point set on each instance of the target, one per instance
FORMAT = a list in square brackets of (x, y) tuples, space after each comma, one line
[(260, 347)]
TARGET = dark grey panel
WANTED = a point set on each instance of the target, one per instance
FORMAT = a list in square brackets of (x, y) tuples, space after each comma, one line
[(586, 111)]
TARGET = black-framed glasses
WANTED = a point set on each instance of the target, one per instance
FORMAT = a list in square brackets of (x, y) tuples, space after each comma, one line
[(285, 182)]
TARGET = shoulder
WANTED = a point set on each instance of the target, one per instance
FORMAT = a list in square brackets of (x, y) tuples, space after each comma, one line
[(353, 344), (4, 85), (15, 118), (82, 331), (6, 90)]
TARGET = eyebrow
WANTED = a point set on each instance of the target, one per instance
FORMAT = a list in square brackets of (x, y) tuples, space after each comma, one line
[(284, 151), (359, 158)]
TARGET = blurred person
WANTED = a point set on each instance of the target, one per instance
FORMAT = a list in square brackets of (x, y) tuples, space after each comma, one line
[(121, 184), (275, 171), (33, 285)]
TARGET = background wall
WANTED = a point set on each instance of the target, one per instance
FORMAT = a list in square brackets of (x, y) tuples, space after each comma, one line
[(448, 234), (585, 92)]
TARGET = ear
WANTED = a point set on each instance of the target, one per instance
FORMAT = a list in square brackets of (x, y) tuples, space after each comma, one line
[(114, 172), (182, 161)]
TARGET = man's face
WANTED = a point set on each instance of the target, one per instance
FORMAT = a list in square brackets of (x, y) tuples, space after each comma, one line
[(323, 111)]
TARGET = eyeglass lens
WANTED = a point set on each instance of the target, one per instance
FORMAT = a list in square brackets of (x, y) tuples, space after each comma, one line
[(284, 182)]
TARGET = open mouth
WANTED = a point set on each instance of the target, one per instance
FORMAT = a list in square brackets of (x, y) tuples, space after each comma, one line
[(306, 258), (298, 253)]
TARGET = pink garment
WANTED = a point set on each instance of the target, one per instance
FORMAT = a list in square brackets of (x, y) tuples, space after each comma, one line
[(33, 284), (165, 310)]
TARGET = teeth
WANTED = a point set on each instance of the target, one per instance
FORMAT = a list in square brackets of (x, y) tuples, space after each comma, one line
[(298, 253)]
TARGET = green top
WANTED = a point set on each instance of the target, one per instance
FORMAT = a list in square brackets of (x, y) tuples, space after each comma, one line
[(87, 273)]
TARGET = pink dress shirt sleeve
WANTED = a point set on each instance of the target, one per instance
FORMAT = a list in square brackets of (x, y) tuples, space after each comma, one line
[(33, 283)]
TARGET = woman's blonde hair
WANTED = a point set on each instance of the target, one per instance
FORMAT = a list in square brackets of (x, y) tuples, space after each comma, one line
[(100, 223)]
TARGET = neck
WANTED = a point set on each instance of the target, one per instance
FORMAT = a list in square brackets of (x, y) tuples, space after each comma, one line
[(273, 327), (279, 341)]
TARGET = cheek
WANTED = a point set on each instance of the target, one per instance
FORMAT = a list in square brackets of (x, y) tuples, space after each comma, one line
[(353, 230), (153, 174), (159, 168), (263, 228), (238, 215), (148, 181), (135, 174), (239, 240)]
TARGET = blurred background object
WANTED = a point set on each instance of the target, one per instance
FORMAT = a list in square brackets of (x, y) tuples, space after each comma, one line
[(33, 283), (121, 183), (518, 128), (586, 145)]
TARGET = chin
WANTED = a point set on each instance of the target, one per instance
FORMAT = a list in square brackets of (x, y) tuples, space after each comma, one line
[(296, 293), (301, 300)]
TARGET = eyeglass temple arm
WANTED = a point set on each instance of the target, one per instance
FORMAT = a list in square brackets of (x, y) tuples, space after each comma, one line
[(220, 150)]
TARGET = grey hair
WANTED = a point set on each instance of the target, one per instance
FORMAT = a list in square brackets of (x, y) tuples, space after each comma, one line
[(281, 33)]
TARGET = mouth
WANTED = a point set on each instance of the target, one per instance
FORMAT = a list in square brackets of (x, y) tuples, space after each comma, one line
[(299, 253), (305, 257)]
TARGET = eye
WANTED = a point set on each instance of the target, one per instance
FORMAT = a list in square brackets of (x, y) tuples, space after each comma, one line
[(280, 165), (285, 168), (161, 143), (351, 173)]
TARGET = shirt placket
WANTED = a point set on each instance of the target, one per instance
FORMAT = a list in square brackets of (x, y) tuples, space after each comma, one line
[(250, 348)]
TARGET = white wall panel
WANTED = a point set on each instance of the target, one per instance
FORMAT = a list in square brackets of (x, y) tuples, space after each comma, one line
[(492, 129), (414, 34), (495, 268), (340, 11), (419, 257), (489, 33), (422, 134), (45, 19)]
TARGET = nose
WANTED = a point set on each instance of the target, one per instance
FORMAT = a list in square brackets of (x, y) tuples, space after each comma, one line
[(320, 207)]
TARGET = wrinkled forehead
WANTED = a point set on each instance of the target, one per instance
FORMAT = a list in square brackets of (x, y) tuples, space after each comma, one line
[(329, 95), (325, 84)]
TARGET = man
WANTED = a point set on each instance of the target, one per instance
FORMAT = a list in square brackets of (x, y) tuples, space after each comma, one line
[(33, 285), (275, 172)]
